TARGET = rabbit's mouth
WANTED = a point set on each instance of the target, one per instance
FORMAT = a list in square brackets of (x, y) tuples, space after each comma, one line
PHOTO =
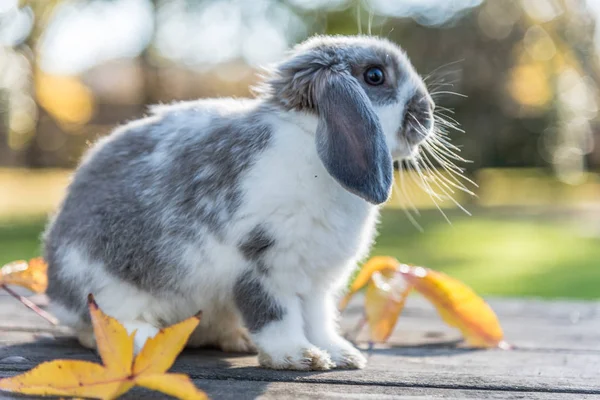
[(405, 151), (418, 121), (416, 127)]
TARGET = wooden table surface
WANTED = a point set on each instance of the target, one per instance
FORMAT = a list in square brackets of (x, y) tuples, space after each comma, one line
[(556, 356)]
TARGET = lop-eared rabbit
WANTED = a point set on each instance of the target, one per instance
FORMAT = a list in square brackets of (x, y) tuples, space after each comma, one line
[(255, 211)]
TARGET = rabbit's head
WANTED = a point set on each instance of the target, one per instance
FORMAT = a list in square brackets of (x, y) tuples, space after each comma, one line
[(372, 107)]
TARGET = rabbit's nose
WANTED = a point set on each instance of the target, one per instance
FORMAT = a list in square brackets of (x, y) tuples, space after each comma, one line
[(418, 118)]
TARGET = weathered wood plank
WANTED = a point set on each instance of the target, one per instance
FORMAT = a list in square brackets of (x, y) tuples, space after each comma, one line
[(557, 351), (440, 368), (236, 390), (433, 366)]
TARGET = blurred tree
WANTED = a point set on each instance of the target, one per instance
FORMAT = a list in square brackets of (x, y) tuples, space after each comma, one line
[(520, 77)]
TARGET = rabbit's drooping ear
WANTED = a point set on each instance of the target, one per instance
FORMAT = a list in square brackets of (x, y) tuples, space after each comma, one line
[(350, 140)]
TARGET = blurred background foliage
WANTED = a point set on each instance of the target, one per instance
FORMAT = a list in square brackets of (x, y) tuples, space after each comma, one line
[(520, 76)]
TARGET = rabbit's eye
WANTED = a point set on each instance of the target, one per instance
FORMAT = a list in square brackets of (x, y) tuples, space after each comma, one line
[(374, 76)]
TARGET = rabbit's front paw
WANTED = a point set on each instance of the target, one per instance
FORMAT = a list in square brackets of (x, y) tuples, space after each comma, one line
[(86, 338), (143, 332), (345, 355), (301, 359)]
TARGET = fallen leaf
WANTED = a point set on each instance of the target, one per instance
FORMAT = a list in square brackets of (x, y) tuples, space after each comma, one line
[(120, 371), (175, 385), (387, 266), (67, 378), (159, 352), (31, 275), (384, 302), (115, 345), (458, 305)]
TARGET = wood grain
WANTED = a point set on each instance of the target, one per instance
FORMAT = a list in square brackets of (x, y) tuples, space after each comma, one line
[(557, 355)]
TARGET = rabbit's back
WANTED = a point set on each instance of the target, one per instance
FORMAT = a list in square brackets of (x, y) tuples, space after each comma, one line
[(144, 192)]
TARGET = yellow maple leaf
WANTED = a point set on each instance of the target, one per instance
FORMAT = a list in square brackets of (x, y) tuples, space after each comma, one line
[(31, 275), (120, 371), (458, 305)]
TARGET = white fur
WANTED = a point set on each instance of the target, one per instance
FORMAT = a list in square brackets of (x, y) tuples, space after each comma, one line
[(390, 118), (143, 332)]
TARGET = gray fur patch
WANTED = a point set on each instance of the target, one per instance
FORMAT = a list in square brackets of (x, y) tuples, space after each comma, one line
[(71, 296), (254, 247), (262, 268), (257, 243), (149, 188), (212, 194), (256, 305)]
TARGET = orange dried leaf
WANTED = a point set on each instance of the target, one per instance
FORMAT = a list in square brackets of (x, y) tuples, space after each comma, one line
[(383, 264), (120, 371), (458, 305), (384, 302), (31, 275), (387, 266)]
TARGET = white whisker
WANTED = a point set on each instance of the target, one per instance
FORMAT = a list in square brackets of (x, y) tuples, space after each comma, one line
[(447, 121), (429, 192), (445, 151), (405, 190), (432, 170), (436, 168), (457, 185), (447, 162), (439, 108), (448, 92), (432, 177), (403, 195), (452, 170), (429, 75), (447, 195), (425, 181)]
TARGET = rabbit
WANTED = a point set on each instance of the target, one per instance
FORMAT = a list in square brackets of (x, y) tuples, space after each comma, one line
[(255, 211)]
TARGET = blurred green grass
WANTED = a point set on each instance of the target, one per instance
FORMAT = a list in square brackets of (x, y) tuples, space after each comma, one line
[(20, 239), (500, 252), (503, 252)]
